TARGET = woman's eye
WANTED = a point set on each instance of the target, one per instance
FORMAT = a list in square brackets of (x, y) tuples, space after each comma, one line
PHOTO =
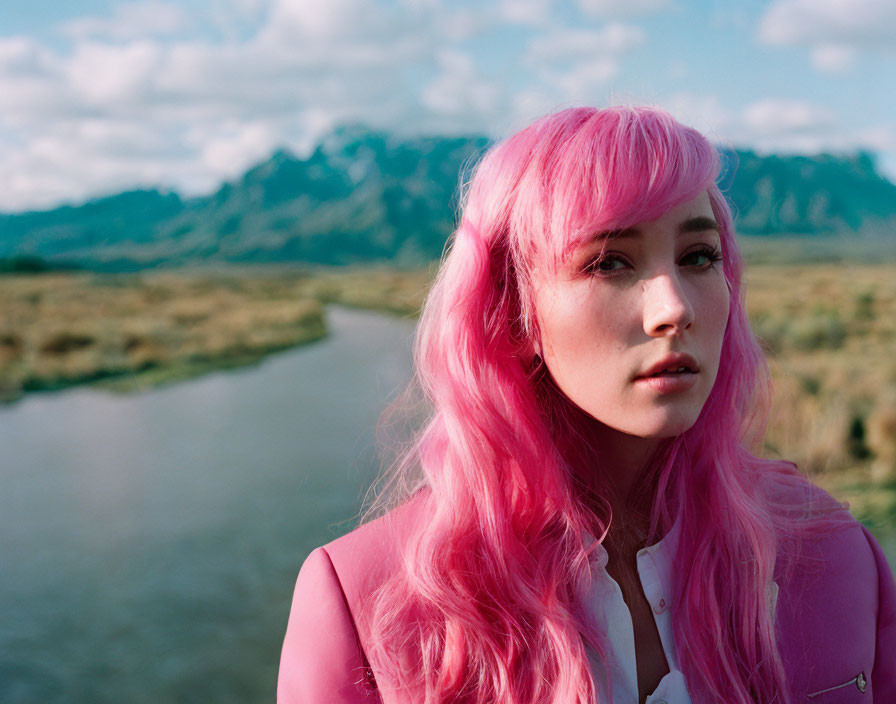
[(702, 258), (606, 264)]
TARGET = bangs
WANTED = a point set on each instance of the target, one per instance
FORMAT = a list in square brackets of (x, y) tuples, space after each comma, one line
[(604, 170)]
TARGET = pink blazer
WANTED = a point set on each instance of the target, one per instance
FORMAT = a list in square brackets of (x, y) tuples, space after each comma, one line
[(835, 620)]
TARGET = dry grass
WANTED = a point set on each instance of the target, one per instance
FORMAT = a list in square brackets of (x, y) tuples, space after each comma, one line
[(830, 335), (829, 332), (397, 292), (141, 330)]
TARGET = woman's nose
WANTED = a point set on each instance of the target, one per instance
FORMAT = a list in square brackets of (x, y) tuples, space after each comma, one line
[(667, 310)]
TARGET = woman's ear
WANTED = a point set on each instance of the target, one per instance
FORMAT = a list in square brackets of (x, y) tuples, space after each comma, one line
[(537, 359)]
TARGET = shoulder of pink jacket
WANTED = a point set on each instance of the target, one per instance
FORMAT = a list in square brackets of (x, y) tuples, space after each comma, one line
[(836, 617), (367, 556), (322, 659), (323, 656), (883, 675)]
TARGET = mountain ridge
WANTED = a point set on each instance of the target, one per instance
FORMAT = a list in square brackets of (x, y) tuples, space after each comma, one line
[(365, 196)]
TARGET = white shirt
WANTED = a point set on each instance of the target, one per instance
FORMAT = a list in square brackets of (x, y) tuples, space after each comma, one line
[(613, 618)]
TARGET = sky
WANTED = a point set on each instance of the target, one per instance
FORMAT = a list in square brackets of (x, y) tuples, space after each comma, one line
[(99, 96)]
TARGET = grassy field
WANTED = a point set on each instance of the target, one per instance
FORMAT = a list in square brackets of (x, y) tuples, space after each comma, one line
[(131, 332), (829, 331)]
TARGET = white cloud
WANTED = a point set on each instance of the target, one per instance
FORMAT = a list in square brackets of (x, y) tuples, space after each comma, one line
[(245, 7), (576, 64), (772, 117), (584, 84), (458, 90), (774, 125), (704, 113), (786, 126), (790, 22), (833, 30), (833, 58), (458, 21), (130, 21), (33, 87), (320, 19), (529, 104), (881, 138), (532, 12), (112, 75), (79, 158), (233, 147), (20, 55), (621, 8), (607, 43)]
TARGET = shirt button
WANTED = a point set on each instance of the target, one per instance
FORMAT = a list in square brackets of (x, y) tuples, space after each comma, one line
[(660, 606)]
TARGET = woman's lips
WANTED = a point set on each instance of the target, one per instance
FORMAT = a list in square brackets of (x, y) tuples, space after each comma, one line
[(671, 363), (671, 374), (669, 382)]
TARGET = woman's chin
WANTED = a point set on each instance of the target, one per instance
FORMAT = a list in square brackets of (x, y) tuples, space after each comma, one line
[(660, 428)]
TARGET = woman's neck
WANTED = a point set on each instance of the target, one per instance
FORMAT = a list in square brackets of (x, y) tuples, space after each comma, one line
[(623, 460), (624, 485)]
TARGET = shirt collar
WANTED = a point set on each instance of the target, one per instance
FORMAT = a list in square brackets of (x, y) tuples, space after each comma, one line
[(663, 550)]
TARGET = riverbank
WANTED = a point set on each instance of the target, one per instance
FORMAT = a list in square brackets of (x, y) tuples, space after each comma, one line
[(129, 332)]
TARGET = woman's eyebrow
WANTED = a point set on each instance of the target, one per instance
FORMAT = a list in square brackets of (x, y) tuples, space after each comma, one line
[(701, 223), (616, 234)]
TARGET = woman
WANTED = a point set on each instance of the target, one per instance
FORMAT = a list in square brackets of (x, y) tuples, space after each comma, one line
[(588, 523)]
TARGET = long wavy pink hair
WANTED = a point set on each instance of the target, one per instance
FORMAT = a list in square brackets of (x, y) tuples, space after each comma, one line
[(488, 607)]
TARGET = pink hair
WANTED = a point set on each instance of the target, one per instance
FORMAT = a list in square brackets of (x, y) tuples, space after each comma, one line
[(488, 606)]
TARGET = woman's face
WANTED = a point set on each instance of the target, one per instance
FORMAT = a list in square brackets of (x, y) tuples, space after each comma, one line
[(632, 326)]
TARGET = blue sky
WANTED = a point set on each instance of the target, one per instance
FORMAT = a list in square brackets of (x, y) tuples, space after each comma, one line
[(100, 95)]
